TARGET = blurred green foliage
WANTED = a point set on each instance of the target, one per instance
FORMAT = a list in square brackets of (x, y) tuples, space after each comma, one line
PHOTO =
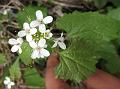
[(27, 14)]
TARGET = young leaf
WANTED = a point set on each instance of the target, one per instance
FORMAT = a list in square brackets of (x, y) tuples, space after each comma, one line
[(25, 56), (15, 71)]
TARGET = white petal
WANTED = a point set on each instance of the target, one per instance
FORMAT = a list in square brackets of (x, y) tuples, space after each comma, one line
[(42, 28), (34, 54), (12, 41), (20, 40), (61, 34), (26, 26), (48, 19), (20, 50), (44, 52), (49, 36), (41, 43), (8, 79), (6, 82), (29, 38), (47, 31), (45, 46), (33, 31), (61, 39), (12, 83), (55, 44), (33, 44), (62, 45), (9, 86), (34, 23), (15, 48), (39, 15), (40, 55), (21, 33)]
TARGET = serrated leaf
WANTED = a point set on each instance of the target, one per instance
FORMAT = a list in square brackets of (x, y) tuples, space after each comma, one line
[(91, 29), (90, 26), (32, 78), (28, 14), (77, 62), (25, 56), (15, 71), (2, 58)]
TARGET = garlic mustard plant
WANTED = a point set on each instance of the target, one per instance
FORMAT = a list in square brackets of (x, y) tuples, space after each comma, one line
[(8, 83)]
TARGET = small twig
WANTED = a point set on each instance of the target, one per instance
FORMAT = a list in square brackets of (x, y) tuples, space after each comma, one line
[(11, 34), (67, 5)]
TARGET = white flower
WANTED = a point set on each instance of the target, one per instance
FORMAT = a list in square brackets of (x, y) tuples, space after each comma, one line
[(8, 83), (5, 11), (16, 44), (39, 50), (28, 32), (40, 20), (60, 42), (48, 34)]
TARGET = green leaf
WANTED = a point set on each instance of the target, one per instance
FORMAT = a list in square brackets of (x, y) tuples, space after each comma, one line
[(77, 62), (114, 13), (90, 26), (25, 56), (2, 58), (15, 71), (93, 33), (32, 78), (112, 60), (116, 2), (28, 14), (93, 27)]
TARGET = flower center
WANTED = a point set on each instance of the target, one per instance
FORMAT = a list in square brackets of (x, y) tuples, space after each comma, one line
[(40, 21), (37, 36)]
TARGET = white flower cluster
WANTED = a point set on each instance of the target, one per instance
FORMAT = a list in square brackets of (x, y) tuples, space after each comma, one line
[(8, 83), (36, 34)]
